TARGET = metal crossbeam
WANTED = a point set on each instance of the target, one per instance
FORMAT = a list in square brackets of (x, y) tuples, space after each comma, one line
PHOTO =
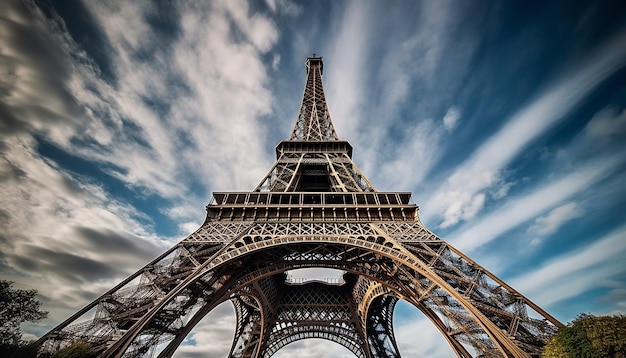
[(314, 208)]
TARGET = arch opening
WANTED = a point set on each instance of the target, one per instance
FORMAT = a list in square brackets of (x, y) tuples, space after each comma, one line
[(317, 256), (315, 274), (313, 347), (416, 335), (212, 336)]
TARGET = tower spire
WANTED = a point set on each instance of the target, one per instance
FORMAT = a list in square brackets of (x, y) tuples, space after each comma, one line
[(314, 123), (314, 209)]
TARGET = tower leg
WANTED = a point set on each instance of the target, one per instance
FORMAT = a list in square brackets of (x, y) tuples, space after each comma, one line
[(380, 337)]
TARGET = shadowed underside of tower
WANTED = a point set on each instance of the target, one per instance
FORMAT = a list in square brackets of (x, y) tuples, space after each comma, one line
[(314, 208)]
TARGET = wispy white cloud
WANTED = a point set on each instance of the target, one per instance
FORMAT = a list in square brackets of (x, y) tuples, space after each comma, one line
[(286, 7), (178, 114), (549, 223), (33, 68), (451, 119), (411, 162), (520, 209), (344, 80), (576, 272), (221, 118), (604, 133), (607, 125), (168, 121), (213, 335), (164, 120), (369, 83), (615, 300), (63, 236), (418, 337), (455, 200), (196, 119)]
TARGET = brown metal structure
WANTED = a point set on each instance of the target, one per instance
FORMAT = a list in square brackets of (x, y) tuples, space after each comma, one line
[(314, 208)]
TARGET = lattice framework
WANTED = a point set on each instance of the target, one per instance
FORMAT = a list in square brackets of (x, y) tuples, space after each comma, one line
[(314, 208), (462, 297)]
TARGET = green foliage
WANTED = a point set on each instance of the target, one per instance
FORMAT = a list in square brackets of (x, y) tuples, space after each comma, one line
[(589, 337), (75, 350)]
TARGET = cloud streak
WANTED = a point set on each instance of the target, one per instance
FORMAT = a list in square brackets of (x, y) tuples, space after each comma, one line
[(548, 224), (372, 86), (462, 196), (64, 237), (114, 129), (523, 208), (155, 125), (574, 273)]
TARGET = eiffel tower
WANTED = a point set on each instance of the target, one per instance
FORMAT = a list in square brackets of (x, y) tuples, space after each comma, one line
[(313, 209)]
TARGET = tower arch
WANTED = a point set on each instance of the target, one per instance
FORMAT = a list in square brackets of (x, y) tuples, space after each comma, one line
[(314, 208)]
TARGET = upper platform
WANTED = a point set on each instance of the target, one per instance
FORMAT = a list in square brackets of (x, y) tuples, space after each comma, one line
[(311, 206), (302, 146), (314, 159)]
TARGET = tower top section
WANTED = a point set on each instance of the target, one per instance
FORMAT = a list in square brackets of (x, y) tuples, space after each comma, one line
[(314, 61), (314, 123)]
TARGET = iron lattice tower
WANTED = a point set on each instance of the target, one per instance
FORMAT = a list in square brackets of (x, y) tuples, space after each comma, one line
[(314, 208)]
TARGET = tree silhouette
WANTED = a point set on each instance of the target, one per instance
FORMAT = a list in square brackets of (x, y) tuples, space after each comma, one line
[(16, 307), (589, 336)]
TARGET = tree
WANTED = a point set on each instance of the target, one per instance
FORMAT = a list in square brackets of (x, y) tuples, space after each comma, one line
[(75, 350), (589, 337), (16, 307)]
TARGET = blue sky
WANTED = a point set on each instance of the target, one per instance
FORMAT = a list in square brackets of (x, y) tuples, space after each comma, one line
[(507, 121)]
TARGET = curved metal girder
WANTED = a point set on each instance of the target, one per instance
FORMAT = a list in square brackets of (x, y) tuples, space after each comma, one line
[(427, 272), (244, 244), (249, 331), (380, 338), (392, 266)]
